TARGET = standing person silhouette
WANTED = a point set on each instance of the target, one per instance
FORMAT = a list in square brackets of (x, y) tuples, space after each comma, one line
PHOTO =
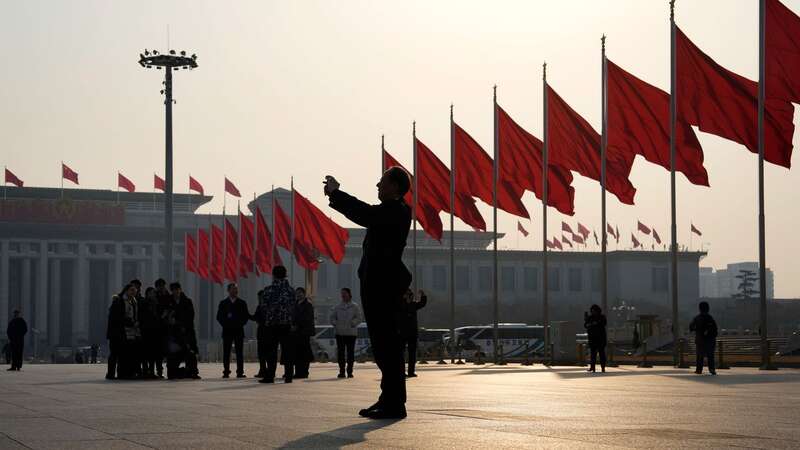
[(595, 324), (705, 338), (384, 279)]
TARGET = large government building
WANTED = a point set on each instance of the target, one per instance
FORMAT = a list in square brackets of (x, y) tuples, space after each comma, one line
[(63, 254)]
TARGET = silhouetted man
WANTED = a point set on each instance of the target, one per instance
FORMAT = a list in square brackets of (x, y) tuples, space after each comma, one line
[(345, 318), (705, 338), (182, 339), (233, 315), (259, 316), (163, 300), (410, 327), (278, 308), (384, 279), (595, 324), (17, 328)]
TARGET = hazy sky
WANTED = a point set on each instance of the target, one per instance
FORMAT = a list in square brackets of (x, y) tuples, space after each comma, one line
[(306, 88)]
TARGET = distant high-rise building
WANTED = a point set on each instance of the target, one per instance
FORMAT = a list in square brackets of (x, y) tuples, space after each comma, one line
[(723, 283)]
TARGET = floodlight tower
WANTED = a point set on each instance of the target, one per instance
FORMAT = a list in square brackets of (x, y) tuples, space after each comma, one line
[(168, 62)]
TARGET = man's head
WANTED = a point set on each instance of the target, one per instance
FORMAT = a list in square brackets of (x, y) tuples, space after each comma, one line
[(278, 273), (16, 313), (233, 290), (137, 284), (299, 293), (175, 288), (129, 290), (704, 307), (150, 292), (394, 184), (161, 284), (346, 295), (594, 309)]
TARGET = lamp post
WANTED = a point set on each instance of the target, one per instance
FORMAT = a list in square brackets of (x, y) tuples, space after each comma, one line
[(168, 62)]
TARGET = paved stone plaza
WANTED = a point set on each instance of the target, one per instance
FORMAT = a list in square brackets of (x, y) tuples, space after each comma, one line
[(69, 406)]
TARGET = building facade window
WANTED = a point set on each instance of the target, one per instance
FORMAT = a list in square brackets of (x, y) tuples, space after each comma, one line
[(345, 275), (597, 278), (531, 278), (508, 279), (660, 276), (553, 279), (439, 278), (484, 278), (575, 275), (462, 278)]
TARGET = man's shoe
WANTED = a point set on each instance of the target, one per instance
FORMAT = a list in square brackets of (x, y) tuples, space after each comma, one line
[(195, 377), (226, 375), (267, 380), (698, 372), (367, 411), (241, 375), (11, 369), (287, 380), (714, 372), (388, 413), (108, 376), (341, 375), (259, 375), (411, 375), (350, 375)]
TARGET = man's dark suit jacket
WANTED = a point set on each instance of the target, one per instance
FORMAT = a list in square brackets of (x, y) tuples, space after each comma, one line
[(381, 271)]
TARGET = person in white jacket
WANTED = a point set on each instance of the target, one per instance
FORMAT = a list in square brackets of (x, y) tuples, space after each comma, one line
[(345, 318)]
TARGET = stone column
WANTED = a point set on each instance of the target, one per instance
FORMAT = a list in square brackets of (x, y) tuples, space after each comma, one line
[(4, 276), (56, 297), (25, 292), (154, 257), (116, 284), (80, 303), (42, 293)]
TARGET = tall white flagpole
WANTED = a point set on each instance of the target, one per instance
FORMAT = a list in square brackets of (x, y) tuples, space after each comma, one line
[(452, 238), (603, 158), (545, 273), (414, 209), (495, 291), (291, 237), (672, 145)]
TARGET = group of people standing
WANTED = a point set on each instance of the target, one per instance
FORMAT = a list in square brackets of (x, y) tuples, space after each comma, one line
[(144, 330)]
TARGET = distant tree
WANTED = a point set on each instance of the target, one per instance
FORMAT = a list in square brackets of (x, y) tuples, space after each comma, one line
[(748, 279)]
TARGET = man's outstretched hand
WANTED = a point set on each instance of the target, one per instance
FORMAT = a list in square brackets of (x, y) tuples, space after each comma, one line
[(331, 185)]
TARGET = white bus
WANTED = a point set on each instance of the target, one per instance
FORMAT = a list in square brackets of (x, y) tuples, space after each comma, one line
[(324, 342), (517, 340)]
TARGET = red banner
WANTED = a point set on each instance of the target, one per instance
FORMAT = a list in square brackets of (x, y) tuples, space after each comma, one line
[(190, 254), (231, 253), (203, 253), (217, 253), (264, 250), (246, 234)]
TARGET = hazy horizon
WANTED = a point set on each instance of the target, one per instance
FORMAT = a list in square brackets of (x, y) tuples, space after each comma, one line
[(306, 89)]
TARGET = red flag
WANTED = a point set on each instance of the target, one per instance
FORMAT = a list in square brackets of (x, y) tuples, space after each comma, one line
[(521, 165), (565, 227), (69, 174), (159, 183), (231, 189), (610, 230), (583, 230), (575, 145), (434, 189), (565, 240), (283, 228), (638, 123), (231, 253), (428, 217), (782, 58), (217, 254), (474, 170), (125, 183), (306, 257), (264, 249), (246, 235), (317, 231), (557, 243), (190, 254), (203, 253), (194, 185), (578, 239), (521, 229), (696, 231), (642, 227), (724, 103), (11, 178), (656, 236), (549, 244), (635, 241)]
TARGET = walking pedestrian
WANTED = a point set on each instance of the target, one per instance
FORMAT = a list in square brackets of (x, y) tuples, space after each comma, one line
[(17, 328), (233, 315), (384, 279), (345, 318), (279, 301), (302, 330), (595, 323), (705, 338), (411, 327)]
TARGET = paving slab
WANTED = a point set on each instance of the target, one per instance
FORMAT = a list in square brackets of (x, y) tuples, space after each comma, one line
[(72, 406)]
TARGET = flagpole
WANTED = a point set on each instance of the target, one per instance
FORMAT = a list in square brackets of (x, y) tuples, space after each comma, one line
[(274, 232), (414, 209), (291, 237), (672, 144), (545, 274), (452, 239), (603, 158), (118, 187), (62, 179), (495, 295), (762, 254)]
